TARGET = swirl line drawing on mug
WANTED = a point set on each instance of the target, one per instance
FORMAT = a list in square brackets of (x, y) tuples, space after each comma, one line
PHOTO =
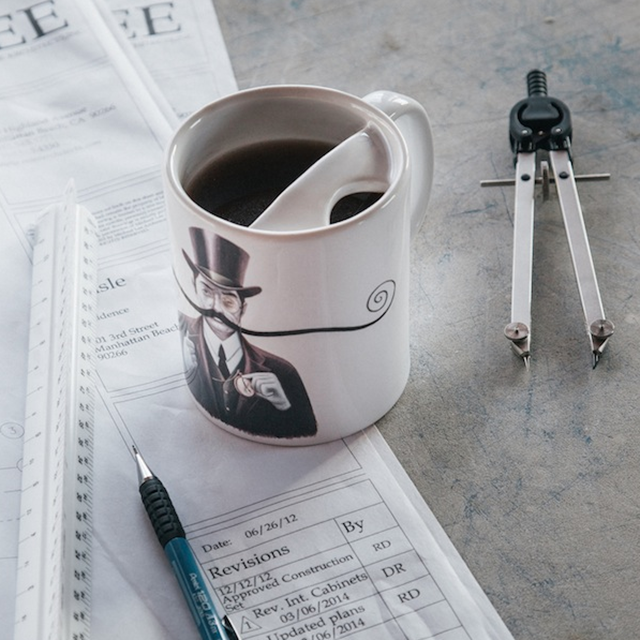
[(380, 299)]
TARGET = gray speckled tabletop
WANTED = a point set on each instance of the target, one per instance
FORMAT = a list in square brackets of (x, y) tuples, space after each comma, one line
[(533, 474)]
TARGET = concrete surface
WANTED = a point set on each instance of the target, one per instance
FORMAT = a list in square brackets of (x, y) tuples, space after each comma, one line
[(534, 475)]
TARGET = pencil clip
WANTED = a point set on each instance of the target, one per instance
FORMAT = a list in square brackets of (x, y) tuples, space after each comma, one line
[(230, 629)]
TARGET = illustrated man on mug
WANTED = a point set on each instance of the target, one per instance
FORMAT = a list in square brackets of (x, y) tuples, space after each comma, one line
[(233, 380)]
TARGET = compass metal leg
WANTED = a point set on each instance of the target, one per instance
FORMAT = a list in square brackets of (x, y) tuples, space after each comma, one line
[(519, 329), (600, 329)]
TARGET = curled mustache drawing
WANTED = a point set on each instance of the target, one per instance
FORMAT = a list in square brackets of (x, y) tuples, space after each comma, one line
[(379, 302)]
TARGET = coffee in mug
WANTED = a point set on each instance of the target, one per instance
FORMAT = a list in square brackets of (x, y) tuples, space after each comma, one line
[(240, 185)]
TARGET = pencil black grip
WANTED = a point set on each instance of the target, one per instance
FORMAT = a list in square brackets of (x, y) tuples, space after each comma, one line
[(161, 511)]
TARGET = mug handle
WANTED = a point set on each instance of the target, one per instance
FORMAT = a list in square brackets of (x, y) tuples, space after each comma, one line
[(413, 122)]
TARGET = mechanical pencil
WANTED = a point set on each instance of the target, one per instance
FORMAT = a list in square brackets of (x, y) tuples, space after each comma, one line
[(171, 535)]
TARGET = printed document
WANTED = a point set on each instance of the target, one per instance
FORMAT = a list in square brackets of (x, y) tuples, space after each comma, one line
[(326, 541)]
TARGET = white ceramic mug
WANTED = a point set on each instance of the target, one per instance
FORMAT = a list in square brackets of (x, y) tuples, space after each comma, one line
[(314, 320)]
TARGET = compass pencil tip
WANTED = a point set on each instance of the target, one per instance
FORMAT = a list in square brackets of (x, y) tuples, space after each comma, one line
[(527, 362)]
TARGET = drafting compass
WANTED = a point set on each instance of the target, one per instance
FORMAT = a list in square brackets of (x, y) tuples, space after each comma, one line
[(540, 123)]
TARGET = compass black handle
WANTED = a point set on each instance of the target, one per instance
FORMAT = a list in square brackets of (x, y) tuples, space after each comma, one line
[(537, 83), (539, 121)]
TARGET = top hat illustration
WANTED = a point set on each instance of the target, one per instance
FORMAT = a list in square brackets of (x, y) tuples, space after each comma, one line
[(219, 261)]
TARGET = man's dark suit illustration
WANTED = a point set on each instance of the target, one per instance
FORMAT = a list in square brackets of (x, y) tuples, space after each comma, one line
[(233, 380)]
